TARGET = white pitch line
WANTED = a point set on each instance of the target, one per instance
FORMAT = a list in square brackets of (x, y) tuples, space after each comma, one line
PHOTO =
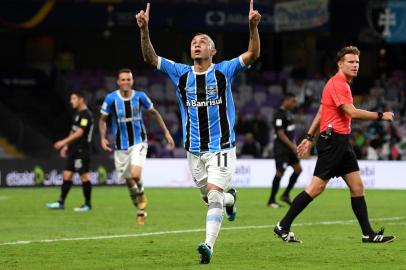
[(396, 223), (103, 237)]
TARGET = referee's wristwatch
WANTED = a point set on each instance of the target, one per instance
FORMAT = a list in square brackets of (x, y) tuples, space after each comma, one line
[(380, 115), (309, 137)]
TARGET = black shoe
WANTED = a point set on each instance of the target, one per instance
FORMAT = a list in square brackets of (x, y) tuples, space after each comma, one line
[(205, 253), (285, 235), (377, 237), (286, 199), (231, 210)]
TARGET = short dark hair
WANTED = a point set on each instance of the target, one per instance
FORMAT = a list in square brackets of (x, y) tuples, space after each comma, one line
[(347, 50), (288, 95), (78, 93), (124, 70)]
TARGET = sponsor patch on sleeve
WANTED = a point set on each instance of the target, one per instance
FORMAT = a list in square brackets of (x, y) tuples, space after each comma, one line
[(84, 122)]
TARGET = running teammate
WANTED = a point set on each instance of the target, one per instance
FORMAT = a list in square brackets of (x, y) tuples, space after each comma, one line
[(124, 106)]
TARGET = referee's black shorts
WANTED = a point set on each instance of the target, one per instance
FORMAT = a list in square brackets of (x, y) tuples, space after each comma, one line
[(335, 156), (79, 161)]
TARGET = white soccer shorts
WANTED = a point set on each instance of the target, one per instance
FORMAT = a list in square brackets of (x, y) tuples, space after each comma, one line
[(215, 168), (134, 156)]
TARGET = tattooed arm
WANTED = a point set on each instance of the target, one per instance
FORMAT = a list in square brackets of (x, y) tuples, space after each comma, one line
[(148, 51)]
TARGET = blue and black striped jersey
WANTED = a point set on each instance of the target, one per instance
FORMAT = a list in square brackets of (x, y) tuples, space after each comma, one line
[(206, 103), (126, 117)]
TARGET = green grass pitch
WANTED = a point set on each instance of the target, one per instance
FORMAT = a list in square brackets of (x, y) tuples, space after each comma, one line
[(176, 223)]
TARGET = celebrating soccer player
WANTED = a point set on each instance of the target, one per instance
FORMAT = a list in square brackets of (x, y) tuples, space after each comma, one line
[(208, 115)]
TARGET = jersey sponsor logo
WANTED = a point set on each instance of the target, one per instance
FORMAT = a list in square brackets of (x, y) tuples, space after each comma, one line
[(205, 103), (84, 122), (128, 119)]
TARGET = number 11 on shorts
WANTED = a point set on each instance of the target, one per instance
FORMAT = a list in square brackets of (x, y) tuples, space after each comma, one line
[(219, 154)]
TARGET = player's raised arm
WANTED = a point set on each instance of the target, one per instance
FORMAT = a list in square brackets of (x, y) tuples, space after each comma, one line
[(148, 51), (253, 51)]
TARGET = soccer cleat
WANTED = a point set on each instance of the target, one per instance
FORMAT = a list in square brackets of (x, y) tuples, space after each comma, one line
[(205, 253), (274, 205), (285, 235), (231, 210), (83, 208), (286, 199), (142, 200), (55, 206), (141, 216), (378, 237)]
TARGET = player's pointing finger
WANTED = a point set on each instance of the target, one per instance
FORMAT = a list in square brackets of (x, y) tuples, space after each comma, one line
[(251, 5), (147, 10)]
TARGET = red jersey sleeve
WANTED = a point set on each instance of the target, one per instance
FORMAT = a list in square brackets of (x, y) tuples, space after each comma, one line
[(341, 93)]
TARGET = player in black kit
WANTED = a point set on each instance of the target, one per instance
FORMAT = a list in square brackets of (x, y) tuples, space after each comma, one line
[(284, 150), (76, 149)]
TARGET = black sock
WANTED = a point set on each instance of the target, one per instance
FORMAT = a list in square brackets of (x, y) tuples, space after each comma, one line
[(292, 182), (275, 187), (298, 204), (359, 207), (87, 191), (66, 185)]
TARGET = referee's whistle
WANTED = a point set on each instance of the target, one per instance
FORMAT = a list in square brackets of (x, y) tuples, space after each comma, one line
[(329, 130)]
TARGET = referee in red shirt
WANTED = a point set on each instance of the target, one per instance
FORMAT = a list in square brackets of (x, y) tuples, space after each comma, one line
[(335, 154)]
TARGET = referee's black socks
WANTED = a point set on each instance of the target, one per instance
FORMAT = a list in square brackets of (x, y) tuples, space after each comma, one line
[(298, 204), (359, 207)]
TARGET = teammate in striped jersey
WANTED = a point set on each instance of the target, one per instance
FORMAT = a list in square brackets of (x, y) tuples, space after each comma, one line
[(124, 105), (208, 116)]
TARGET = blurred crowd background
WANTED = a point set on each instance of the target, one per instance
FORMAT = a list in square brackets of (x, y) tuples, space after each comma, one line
[(52, 47)]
